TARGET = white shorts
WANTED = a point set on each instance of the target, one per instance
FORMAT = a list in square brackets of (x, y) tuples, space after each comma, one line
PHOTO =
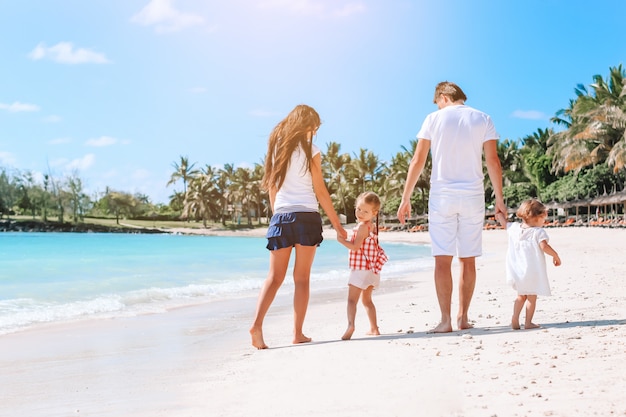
[(455, 224), (363, 279)]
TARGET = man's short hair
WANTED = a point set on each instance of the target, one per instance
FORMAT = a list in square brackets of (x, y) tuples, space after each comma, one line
[(449, 89)]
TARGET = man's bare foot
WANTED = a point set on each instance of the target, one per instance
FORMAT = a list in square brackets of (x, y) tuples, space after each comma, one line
[(463, 323), (441, 328), (301, 339), (348, 334), (373, 332), (531, 326), (257, 338)]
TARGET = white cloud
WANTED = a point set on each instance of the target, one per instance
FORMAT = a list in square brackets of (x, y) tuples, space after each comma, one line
[(7, 158), (328, 8), (59, 141), (101, 141), (18, 107), (81, 164), (530, 114), (65, 53), (165, 18)]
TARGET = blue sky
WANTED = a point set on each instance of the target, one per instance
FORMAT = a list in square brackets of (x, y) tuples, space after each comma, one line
[(117, 91)]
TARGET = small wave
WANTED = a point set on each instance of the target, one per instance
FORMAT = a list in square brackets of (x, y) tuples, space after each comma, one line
[(76, 296)]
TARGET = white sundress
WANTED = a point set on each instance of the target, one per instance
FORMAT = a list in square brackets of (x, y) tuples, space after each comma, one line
[(525, 261)]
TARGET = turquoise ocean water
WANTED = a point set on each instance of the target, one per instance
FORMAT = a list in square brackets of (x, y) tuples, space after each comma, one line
[(55, 277)]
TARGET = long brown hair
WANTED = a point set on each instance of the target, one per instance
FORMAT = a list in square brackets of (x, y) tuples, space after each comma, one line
[(288, 134)]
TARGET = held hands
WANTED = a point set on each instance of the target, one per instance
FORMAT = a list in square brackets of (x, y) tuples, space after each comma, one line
[(341, 233), (501, 213), (501, 218)]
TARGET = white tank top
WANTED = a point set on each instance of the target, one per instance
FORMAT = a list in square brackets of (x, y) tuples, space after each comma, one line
[(296, 193)]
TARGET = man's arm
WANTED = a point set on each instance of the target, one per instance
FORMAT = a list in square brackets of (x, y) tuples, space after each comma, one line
[(415, 170), (494, 169)]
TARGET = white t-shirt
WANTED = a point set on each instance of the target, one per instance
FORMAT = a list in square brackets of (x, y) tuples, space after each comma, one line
[(296, 193), (525, 261), (456, 134)]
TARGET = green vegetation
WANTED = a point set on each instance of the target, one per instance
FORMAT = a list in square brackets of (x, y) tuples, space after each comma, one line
[(584, 159)]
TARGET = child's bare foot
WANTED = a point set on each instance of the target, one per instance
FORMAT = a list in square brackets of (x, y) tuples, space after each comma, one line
[(348, 334), (531, 326), (301, 339), (257, 338), (373, 332), (441, 328), (515, 324)]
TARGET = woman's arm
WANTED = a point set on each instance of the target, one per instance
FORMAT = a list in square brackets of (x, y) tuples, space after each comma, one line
[(323, 196)]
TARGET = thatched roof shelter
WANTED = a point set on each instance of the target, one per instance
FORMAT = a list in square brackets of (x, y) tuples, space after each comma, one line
[(606, 199)]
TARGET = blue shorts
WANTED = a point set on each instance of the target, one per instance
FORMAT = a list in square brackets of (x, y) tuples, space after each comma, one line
[(289, 229)]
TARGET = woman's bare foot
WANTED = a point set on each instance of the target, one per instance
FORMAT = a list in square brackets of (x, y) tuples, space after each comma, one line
[(373, 332), (531, 326), (441, 328), (301, 339), (348, 334), (257, 338)]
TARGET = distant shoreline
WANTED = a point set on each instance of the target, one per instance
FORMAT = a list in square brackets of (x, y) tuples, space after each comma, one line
[(51, 226)]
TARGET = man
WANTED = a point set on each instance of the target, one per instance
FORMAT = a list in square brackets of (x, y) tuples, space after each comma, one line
[(456, 135)]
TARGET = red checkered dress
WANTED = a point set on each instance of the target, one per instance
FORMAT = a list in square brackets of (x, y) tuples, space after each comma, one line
[(370, 255)]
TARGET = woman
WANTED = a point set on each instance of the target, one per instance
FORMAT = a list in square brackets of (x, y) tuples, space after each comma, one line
[(293, 178)]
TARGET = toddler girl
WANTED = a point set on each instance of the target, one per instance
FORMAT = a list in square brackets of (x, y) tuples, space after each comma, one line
[(525, 262), (366, 261)]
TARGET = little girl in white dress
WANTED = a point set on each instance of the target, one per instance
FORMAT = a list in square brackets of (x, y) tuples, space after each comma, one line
[(525, 261)]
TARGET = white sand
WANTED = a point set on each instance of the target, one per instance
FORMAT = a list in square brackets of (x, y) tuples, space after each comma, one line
[(199, 362)]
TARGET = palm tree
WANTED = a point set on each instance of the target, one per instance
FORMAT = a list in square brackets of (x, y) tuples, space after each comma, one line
[(536, 162), (256, 192), (225, 186), (367, 167), (399, 170), (333, 165), (595, 126), (200, 200), (182, 171), (242, 185)]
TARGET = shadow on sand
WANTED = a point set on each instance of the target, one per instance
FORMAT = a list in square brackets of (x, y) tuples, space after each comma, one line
[(476, 331)]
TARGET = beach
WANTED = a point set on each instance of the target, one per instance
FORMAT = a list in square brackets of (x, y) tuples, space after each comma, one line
[(186, 362)]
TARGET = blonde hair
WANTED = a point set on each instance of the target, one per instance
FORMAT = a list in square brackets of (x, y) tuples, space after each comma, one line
[(371, 198), (288, 134), (449, 89), (531, 208)]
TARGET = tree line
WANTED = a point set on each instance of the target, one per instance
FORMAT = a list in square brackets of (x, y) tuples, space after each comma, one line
[(584, 157)]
